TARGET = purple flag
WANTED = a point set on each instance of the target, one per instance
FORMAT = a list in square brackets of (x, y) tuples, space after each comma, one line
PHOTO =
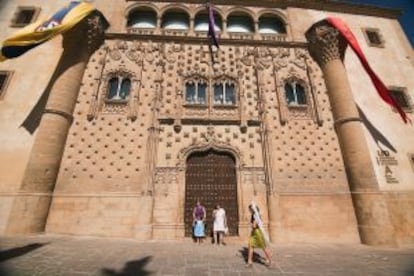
[(211, 25)]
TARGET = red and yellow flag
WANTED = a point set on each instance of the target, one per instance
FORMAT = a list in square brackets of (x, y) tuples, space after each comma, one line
[(39, 32), (379, 85)]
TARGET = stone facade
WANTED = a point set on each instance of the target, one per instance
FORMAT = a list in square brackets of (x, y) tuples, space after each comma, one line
[(336, 168)]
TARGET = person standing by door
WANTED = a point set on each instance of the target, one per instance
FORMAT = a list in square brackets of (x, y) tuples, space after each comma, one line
[(219, 225), (199, 216)]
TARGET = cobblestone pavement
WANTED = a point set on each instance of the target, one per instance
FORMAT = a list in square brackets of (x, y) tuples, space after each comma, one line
[(68, 255)]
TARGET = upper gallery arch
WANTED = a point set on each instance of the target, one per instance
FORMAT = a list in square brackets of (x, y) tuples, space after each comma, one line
[(240, 20), (271, 22), (142, 16), (201, 20), (175, 17)]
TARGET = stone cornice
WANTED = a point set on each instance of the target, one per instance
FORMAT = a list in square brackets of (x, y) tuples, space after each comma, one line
[(325, 5), (204, 40)]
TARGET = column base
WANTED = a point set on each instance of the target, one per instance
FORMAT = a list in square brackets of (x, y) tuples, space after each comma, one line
[(374, 222), (29, 214)]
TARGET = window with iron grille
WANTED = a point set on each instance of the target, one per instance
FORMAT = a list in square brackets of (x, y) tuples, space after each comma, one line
[(373, 37), (220, 92), (119, 88), (24, 16), (224, 93), (295, 93), (196, 92), (4, 81), (401, 97), (411, 157)]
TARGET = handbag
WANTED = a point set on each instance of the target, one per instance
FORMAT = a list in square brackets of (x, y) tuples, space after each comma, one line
[(226, 231)]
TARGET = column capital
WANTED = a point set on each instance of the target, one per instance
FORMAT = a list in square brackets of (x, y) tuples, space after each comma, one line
[(325, 42), (88, 35)]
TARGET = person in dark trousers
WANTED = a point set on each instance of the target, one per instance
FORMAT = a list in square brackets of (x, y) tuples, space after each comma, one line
[(199, 216)]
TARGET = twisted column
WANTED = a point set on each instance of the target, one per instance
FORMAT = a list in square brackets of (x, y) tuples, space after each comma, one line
[(31, 205), (327, 47)]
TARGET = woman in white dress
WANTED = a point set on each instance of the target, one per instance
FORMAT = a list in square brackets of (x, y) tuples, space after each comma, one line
[(219, 225)]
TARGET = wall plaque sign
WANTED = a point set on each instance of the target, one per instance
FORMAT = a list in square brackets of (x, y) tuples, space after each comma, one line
[(387, 161)]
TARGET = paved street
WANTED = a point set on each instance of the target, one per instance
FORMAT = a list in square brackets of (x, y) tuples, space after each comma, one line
[(67, 255)]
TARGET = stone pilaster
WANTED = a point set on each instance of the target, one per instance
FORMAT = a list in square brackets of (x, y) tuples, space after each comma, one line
[(31, 205), (327, 47)]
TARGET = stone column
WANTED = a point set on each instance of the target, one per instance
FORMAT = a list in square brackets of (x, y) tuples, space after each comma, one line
[(31, 205), (158, 26), (327, 47), (256, 29)]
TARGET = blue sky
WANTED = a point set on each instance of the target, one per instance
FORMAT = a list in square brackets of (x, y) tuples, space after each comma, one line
[(407, 7)]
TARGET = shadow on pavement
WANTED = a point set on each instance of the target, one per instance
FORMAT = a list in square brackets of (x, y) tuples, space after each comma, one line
[(130, 268), (256, 257), (410, 269), (19, 251)]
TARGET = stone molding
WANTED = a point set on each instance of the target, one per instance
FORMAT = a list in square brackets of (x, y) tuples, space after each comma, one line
[(324, 5), (211, 144), (204, 39)]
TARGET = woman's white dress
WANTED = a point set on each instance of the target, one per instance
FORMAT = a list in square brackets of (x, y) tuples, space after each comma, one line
[(219, 220)]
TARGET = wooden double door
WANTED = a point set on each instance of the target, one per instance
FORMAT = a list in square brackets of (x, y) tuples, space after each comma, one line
[(211, 178)]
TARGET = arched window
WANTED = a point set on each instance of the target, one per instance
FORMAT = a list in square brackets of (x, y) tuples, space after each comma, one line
[(295, 93), (240, 23), (142, 18), (271, 24), (119, 88), (196, 92), (175, 20), (224, 93), (201, 22)]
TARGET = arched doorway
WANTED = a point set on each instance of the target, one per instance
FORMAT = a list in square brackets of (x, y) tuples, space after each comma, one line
[(211, 178)]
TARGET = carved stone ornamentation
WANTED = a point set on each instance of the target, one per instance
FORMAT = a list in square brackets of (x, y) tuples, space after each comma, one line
[(300, 55), (263, 58), (97, 25), (254, 177), (247, 57), (169, 51), (165, 177), (115, 54), (135, 53), (280, 58), (92, 28), (325, 43), (150, 51), (205, 146)]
